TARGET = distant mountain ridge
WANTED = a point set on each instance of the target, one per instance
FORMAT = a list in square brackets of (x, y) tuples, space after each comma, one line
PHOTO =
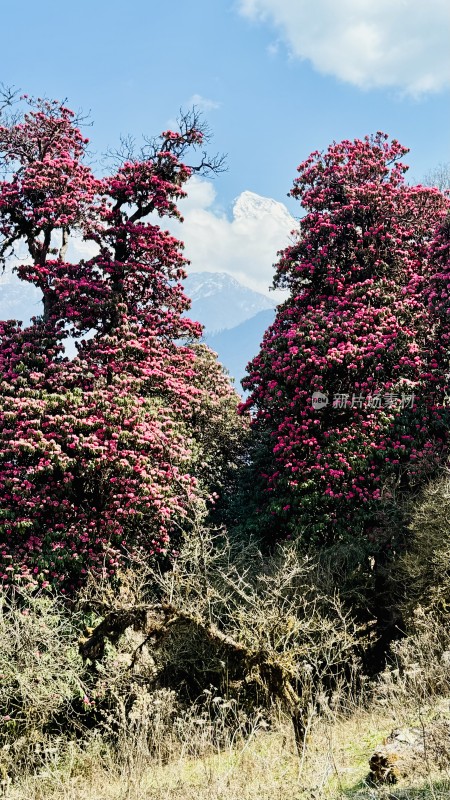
[(220, 302), (237, 346), (234, 317)]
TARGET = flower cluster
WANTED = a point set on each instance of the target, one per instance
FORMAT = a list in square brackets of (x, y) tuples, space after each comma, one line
[(106, 453), (359, 318)]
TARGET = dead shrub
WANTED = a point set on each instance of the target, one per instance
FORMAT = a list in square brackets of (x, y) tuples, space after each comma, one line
[(419, 668), (40, 676), (422, 573)]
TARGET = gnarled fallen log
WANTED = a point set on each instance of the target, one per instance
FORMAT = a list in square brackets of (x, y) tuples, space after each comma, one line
[(156, 621)]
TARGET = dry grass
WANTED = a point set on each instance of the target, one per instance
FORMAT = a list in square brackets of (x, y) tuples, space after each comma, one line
[(263, 765), (147, 743)]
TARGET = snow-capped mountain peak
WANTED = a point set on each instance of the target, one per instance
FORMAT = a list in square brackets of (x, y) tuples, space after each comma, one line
[(203, 284), (252, 206)]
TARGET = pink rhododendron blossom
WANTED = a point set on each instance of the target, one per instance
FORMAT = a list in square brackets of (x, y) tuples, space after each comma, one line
[(113, 451)]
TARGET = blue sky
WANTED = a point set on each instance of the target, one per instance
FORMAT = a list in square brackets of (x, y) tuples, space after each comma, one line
[(276, 79)]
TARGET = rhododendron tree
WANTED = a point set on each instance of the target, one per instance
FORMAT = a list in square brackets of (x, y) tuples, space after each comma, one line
[(437, 292), (105, 453), (348, 389)]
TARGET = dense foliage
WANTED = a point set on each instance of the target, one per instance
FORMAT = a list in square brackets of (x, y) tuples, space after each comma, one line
[(347, 391), (109, 451), (131, 447)]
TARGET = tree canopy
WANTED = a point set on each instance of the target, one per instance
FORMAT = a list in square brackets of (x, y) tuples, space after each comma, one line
[(110, 451), (347, 392)]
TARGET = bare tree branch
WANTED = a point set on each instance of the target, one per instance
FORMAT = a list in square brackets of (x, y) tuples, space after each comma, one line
[(8, 95)]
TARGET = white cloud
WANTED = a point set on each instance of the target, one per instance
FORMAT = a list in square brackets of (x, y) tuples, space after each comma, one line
[(402, 44), (201, 194), (203, 103), (244, 246)]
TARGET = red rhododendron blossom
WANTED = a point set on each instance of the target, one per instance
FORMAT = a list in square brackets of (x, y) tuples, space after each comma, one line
[(365, 333)]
